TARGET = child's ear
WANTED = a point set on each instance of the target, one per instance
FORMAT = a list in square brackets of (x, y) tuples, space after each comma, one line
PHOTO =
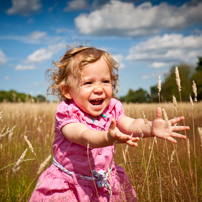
[(65, 92)]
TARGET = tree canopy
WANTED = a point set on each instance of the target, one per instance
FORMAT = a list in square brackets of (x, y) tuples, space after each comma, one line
[(187, 74), (13, 96), (139, 96)]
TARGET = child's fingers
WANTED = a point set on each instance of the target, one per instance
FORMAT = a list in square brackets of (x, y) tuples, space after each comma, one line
[(131, 143), (176, 120), (122, 137), (179, 128), (170, 139), (159, 113), (135, 139), (177, 135)]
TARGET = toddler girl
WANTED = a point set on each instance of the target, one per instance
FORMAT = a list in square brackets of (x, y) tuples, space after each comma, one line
[(89, 121)]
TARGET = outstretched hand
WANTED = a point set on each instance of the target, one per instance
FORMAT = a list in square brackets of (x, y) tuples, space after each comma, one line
[(115, 135), (164, 130)]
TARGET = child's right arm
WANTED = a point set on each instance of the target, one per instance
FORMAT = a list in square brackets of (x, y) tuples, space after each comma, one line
[(80, 134)]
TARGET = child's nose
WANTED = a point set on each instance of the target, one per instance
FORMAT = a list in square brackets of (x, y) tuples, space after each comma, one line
[(98, 89)]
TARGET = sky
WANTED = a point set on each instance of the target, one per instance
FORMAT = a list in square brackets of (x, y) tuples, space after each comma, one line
[(146, 37)]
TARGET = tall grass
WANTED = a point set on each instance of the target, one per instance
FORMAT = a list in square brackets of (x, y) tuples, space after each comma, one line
[(159, 171)]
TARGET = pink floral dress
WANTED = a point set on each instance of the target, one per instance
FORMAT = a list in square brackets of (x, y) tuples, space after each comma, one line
[(79, 173)]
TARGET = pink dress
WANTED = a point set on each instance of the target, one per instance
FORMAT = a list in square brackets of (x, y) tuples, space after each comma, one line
[(54, 184)]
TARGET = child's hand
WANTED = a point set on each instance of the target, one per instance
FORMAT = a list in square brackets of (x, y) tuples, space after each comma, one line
[(166, 131), (115, 135)]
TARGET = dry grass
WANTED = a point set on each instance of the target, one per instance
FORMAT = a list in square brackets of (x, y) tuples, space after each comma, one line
[(159, 171)]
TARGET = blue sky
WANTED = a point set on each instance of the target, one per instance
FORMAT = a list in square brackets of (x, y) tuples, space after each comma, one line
[(145, 37)]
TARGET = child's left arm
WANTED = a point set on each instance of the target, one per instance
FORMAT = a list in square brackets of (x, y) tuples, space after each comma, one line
[(158, 128)]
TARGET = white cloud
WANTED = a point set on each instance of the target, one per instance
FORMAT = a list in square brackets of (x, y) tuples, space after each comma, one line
[(173, 48), (125, 19), (6, 78), (24, 7), (154, 74), (38, 35), (3, 58), (24, 67), (118, 58), (31, 20), (40, 56), (77, 5), (158, 64), (43, 54), (34, 37)]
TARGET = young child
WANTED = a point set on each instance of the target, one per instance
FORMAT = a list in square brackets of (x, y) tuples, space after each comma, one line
[(89, 121)]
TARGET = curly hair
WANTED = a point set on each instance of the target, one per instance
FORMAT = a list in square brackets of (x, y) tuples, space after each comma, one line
[(72, 63)]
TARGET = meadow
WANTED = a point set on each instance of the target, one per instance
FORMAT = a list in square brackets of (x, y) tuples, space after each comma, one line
[(158, 169)]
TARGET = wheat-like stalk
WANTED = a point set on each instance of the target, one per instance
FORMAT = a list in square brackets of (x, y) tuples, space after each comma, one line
[(194, 88), (188, 145), (175, 103), (141, 133), (29, 144), (126, 149), (16, 167), (159, 84), (178, 79), (42, 165), (165, 117), (191, 101), (172, 156), (200, 134), (1, 114)]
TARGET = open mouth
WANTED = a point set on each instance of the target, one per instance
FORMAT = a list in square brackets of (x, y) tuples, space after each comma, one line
[(97, 101)]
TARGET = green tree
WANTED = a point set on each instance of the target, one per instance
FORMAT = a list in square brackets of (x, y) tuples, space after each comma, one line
[(139, 96), (170, 88), (41, 98), (197, 77), (154, 93)]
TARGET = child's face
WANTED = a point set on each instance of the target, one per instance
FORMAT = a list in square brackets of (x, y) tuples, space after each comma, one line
[(94, 92)]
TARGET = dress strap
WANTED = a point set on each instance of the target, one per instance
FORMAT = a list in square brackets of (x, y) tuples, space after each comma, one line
[(101, 176)]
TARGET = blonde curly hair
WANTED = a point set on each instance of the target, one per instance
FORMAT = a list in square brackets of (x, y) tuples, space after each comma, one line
[(72, 63)]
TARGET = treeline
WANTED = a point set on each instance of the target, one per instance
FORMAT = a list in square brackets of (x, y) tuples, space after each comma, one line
[(13, 96), (188, 74)]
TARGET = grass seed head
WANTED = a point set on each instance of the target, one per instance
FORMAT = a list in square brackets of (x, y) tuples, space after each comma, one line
[(42, 165), (159, 84), (165, 117), (16, 167), (194, 88), (29, 144), (200, 134), (175, 102), (178, 79), (191, 101)]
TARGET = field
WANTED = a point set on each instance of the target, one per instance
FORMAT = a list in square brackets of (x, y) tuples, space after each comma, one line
[(158, 170)]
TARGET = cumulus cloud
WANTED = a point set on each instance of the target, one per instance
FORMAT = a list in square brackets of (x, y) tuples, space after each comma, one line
[(38, 35), (167, 49), (154, 74), (76, 5), (119, 58), (24, 7), (43, 54), (126, 19), (24, 67), (40, 56), (3, 58), (34, 37)]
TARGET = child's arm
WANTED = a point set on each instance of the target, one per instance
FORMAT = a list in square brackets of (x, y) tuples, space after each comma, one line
[(80, 134), (158, 127)]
